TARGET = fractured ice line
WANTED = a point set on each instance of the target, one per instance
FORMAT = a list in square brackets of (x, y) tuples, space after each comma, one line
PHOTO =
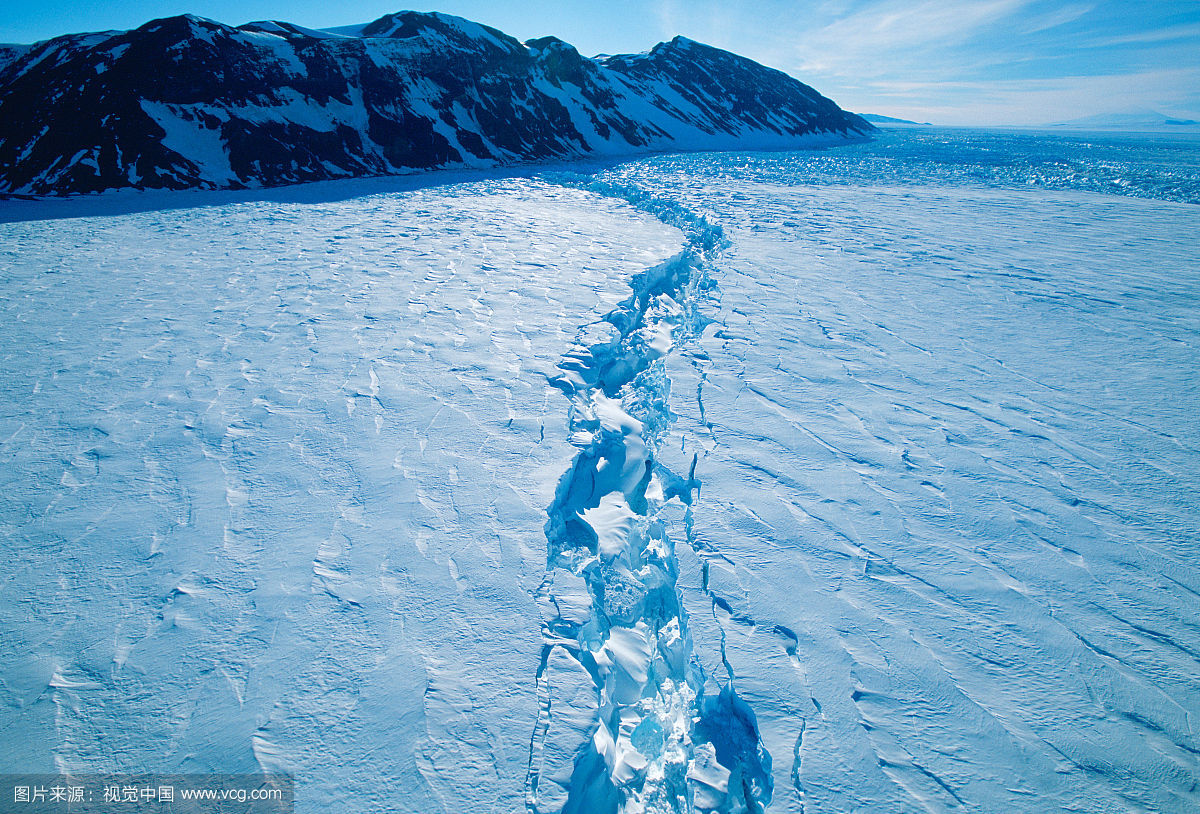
[(624, 724)]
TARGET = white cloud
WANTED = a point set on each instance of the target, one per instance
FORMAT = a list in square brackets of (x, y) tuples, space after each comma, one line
[(1059, 17), (889, 38), (955, 61), (1178, 32), (901, 27)]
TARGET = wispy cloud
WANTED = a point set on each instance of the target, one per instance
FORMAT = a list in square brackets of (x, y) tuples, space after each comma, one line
[(1014, 61), (889, 37), (901, 25), (1169, 34), (1057, 18), (670, 16)]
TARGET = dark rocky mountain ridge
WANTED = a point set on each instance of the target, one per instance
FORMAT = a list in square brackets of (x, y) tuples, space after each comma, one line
[(185, 102)]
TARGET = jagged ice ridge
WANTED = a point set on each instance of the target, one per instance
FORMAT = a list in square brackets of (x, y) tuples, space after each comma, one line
[(624, 721)]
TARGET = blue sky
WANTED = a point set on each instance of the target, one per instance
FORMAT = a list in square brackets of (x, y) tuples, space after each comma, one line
[(948, 61)]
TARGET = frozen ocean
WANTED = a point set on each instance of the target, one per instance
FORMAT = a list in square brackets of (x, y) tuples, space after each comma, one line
[(863, 479)]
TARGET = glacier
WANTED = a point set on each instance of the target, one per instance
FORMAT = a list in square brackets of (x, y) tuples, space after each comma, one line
[(860, 479)]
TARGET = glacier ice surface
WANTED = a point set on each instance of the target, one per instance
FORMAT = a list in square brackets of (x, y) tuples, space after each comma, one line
[(922, 481)]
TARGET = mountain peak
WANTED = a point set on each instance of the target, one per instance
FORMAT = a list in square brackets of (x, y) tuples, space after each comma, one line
[(183, 21), (680, 44), (548, 43), (286, 30), (410, 24)]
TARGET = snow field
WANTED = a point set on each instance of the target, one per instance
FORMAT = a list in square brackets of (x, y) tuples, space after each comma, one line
[(947, 526), (276, 473), (900, 518)]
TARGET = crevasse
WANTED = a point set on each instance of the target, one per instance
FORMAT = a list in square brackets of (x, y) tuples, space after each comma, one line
[(625, 723)]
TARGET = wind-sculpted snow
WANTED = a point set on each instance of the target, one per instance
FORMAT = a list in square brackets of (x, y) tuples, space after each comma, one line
[(275, 472), (624, 723), (951, 467), (187, 102), (904, 520)]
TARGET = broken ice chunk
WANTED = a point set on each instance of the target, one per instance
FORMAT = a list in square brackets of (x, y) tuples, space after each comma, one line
[(626, 659), (612, 521), (574, 713), (710, 780), (572, 600), (673, 646), (613, 417)]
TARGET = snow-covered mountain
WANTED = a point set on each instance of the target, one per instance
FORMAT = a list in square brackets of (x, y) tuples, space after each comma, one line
[(188, 102)]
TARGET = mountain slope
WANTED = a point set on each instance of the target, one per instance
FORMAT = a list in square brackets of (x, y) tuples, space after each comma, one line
[(187, 102)]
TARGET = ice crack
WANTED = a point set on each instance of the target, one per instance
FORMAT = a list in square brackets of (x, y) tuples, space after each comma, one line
[(624, 724)]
